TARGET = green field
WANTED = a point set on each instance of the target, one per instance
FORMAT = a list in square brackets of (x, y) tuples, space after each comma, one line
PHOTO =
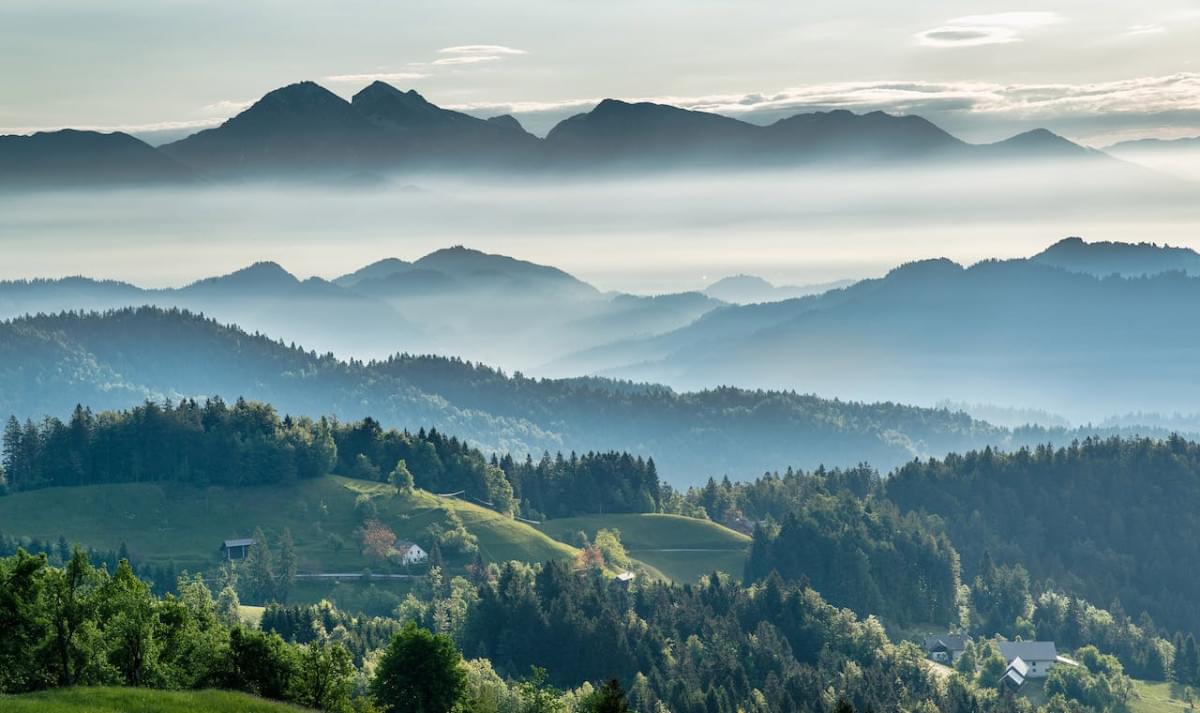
[(681, 548), (161, 523), (1157, 697), (139, 700)]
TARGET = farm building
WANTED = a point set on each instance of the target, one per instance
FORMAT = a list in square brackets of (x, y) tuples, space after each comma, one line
[(946, 648), (410, 553), (236, 549), (1038, 656), (1015, 675)]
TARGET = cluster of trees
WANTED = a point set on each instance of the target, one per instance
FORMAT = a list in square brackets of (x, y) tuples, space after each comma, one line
[(863, 555), (161, 578), (435, 462), (79, 625), (831, 529), (1074, 623), (592, 483), (1106, 520), (247, 443), (712, 646), (201, 443)]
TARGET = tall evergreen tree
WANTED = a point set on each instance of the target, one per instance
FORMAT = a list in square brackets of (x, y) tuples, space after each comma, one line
[(258, 578)]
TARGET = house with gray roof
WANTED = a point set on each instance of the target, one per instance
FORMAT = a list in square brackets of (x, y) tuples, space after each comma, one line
[(946, 648), (1038, 657)]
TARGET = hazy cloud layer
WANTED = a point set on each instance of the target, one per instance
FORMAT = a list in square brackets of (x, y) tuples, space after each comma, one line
[(1074, 105), (390, 77)]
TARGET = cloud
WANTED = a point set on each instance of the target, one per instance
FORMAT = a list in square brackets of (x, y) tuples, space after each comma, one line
[(1145, 30), (467, 59), (993, 29), (375, 77), (481, 50), (226, 107), (1175, 95)]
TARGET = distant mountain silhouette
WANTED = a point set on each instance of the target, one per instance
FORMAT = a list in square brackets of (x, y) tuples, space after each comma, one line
[(748, 289), (383, 268), (1014, 333), (1186, 143), (617, 130), (1039, 144), (300, 126), (1125, 259), (455, 301), (421, 132), (85, 158), (876, 135), (303, 131), (259, 277)]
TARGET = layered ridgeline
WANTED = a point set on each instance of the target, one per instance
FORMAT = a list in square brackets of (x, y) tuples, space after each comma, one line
[(48, 364), (1040, 333), (486, 307), (305, 130)]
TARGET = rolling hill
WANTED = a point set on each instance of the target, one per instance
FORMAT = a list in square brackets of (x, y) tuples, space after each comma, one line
[(163, 523), (681, 548)]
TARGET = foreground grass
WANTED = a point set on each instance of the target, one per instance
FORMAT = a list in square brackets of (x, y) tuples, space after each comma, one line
[(161, 523), (1157, 697), (139, 700), (681, 548)]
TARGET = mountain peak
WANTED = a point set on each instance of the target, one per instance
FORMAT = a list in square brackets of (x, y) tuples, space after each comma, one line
[(264, 275)]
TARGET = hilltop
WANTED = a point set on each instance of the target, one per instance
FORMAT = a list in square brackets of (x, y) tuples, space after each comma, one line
[(183, 525)]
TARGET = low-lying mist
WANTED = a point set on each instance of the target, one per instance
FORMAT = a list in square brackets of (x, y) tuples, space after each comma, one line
[(656, 234)]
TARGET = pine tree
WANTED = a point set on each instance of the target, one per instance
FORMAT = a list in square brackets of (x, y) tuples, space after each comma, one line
[(259, 581)]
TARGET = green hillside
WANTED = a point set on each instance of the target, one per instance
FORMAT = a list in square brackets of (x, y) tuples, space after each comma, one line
[(1158, 697), (682, 548), (139, 700), (161, 523)]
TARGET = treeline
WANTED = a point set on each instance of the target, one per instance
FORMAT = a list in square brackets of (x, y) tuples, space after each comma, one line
[(162, 579), (1110, 520), (248, 443), (205, 443), (609, 482)]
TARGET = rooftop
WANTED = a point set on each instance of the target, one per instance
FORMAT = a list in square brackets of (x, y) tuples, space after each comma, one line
[(1028, 650)]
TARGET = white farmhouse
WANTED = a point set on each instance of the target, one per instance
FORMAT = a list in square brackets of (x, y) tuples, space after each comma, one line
[(410, 553), (1038, 657)]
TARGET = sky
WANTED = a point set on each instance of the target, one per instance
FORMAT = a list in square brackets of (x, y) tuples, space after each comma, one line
[(1097, 72)]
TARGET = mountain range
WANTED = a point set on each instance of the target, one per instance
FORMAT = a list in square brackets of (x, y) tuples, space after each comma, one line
[(1044, 332), (50, 363), (305, 130), (455, 301)]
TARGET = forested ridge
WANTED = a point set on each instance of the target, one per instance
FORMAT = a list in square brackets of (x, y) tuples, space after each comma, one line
[(116, 360), (249, 443), (1112, 520)]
